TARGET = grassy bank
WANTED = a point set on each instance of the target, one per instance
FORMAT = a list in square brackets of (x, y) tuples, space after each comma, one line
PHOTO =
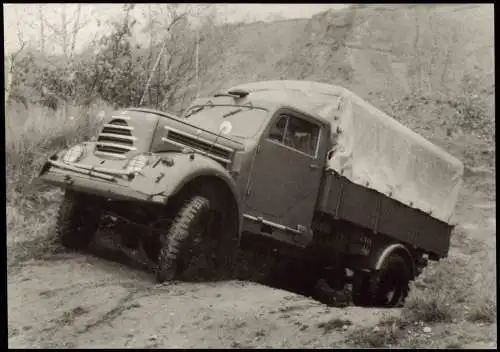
[(32, 135)]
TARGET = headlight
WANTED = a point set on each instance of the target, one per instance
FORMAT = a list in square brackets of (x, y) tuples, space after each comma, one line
[(74, 154), (137, 163)]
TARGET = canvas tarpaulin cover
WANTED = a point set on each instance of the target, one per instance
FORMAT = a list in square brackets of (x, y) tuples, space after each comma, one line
[(374, 150)]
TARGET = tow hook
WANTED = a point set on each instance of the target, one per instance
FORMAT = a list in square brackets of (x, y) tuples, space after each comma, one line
[(168, 161), (158, 179)]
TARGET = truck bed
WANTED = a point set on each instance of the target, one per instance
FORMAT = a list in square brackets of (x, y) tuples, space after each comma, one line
[(345, 200)]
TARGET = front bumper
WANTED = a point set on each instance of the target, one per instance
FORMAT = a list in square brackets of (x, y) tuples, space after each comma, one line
[(107, 185)]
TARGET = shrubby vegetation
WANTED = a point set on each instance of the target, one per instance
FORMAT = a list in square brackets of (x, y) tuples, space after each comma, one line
[(117, 69)]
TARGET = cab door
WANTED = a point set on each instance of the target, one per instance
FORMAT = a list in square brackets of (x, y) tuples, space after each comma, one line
[(287, 170)]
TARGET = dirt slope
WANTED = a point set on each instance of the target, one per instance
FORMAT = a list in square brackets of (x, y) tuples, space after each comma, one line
[(82, 301)]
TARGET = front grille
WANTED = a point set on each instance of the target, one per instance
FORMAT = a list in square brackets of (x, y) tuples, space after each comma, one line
[(217, 152), (116, 138)]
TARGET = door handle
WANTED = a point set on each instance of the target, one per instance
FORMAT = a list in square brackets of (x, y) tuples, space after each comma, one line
[(313, 166)]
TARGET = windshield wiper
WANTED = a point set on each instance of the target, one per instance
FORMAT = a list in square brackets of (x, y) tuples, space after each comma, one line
[(230, 113), (197, 109), (233, 112), (194, 111)]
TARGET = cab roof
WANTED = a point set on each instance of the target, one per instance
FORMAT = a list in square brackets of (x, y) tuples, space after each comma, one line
[(306, 96), (273, 95)]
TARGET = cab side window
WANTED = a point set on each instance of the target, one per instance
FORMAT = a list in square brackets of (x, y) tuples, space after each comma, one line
[(277, 132), (296, 133)]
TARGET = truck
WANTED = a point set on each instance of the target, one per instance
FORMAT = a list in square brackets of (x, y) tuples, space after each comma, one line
[(310, 171)]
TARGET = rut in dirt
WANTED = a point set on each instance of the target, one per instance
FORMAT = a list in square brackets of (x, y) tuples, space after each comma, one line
[(251, 267)]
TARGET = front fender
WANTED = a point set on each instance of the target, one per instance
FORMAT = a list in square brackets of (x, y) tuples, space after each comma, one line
[(174, 170), (168, 176)]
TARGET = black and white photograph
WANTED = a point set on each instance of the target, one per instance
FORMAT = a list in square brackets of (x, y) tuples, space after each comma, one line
[(250, 175)]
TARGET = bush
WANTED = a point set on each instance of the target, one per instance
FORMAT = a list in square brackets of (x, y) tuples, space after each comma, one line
[(457, 287), (429, 306), (388, 333), (483, 305), (30, 228), (436, 295)]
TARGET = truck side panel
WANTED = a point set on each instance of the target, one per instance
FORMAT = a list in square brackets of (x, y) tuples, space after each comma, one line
[(345, 200), (423, 231)]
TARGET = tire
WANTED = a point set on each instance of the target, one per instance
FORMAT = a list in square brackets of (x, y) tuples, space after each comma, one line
[(185, 226), (386, 288), (77, 221), (391, 283)]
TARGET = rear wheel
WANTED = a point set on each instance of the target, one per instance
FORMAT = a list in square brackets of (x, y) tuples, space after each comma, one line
[(77, 221), (387, 287), (391, 283)]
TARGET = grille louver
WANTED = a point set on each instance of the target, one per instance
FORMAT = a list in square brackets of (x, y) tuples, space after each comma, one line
[(116, 138), (217, 152)]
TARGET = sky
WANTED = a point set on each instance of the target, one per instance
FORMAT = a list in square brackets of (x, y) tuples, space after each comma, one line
[(20, 19)]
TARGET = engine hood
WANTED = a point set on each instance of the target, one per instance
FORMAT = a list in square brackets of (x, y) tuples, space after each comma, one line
[(178, 131), (129, 132)]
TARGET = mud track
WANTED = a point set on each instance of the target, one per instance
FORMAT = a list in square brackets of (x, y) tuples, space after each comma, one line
[(77, 300)]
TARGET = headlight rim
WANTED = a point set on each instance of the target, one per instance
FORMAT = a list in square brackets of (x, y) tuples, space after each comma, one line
[(66, 155), (137, 163)]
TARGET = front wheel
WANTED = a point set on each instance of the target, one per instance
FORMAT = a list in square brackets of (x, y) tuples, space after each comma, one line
[(187, 227), (77, 221)]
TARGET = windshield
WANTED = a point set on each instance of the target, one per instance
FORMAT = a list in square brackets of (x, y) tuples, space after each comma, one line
[(246, 120)]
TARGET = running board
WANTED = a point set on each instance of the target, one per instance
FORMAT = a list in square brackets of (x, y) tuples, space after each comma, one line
[(298, 231)]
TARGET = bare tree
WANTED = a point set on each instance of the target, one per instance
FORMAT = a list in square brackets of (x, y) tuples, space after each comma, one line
[(175, 66), (172, 19), (41, 21), (11, 60), (61, 34), (64, 36)]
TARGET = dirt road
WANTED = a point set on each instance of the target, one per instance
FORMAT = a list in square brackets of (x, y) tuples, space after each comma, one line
[(75, 300)]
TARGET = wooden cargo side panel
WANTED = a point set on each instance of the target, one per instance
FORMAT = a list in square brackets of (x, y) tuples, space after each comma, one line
[(413, 226), (348, 201), (434, 235), (359, 205), (398, 221)]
